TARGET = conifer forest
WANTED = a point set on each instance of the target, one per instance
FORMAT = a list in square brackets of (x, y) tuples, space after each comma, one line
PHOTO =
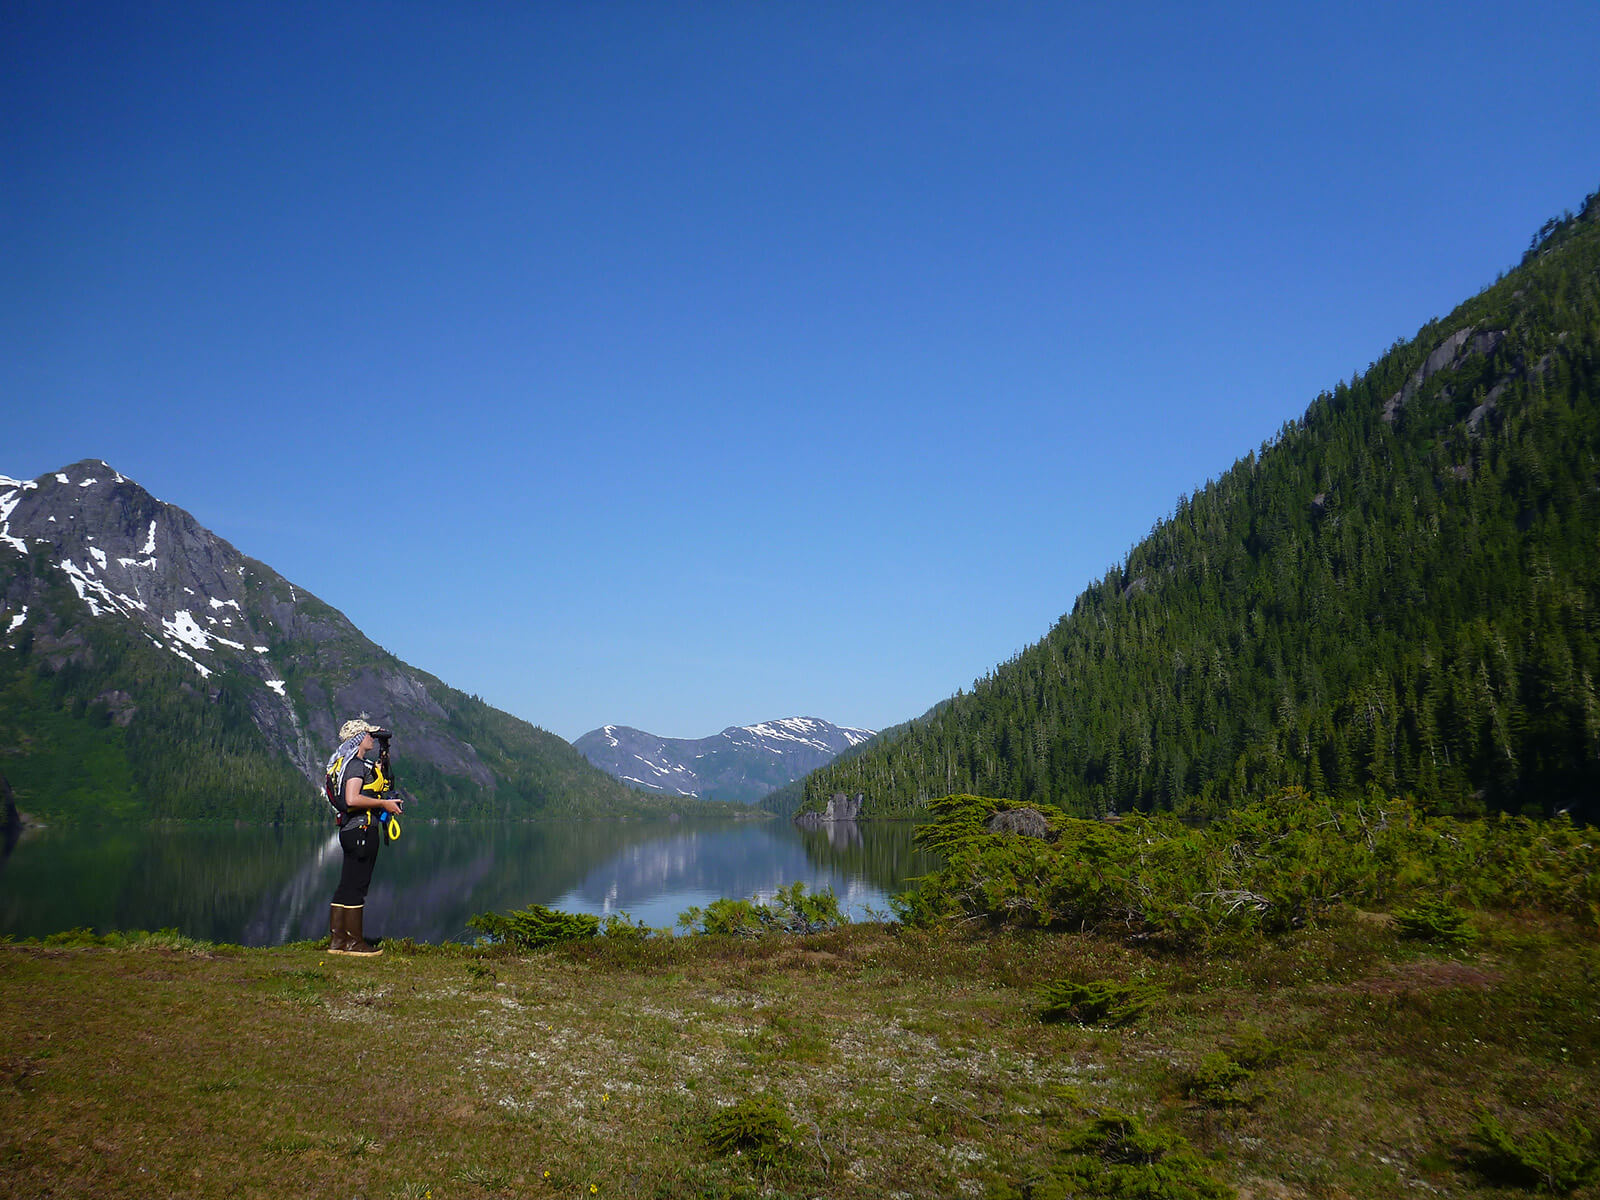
[(1399, 592)]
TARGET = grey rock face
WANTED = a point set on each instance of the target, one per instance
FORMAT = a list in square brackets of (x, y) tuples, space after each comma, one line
[(1025, 822), (120, 705), (742, 763), (132, 558), (1482, 411), (840, 809), (1447, 355)]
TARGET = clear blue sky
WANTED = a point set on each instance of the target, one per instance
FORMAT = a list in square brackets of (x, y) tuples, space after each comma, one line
[(708, 363)]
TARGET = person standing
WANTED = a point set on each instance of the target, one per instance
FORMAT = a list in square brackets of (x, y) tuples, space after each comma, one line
[(357, 785)]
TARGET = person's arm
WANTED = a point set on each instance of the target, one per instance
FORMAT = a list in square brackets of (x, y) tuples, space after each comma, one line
[(354, 798)]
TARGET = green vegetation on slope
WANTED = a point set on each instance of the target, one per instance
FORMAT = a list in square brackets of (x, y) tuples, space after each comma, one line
[(1395, 595), (188, 746), (193, 750)]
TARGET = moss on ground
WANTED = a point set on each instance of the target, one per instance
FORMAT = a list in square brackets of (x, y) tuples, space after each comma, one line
[(864, 1061)]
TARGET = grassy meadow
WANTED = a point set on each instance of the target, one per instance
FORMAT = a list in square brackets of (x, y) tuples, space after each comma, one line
[(1356, 1058)]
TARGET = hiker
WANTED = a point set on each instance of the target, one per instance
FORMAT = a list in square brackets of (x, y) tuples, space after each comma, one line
[(357, 786)]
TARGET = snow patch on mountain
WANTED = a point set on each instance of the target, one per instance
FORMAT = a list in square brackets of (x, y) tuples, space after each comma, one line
[(12, 497), (91, 591), (808, 731)]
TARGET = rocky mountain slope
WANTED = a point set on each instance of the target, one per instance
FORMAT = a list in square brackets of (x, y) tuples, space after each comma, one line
[(742, 763), (1399, 592), (148, 668)]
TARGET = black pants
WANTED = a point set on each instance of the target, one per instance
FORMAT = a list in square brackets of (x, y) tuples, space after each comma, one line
[(360, 842)]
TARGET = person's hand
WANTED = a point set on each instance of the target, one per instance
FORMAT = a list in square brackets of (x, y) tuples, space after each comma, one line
[(392, 805)]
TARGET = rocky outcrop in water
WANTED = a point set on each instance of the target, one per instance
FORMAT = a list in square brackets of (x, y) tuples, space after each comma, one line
[(840, 807)]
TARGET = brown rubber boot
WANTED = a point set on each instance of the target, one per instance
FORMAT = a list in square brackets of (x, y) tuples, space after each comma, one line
[(339, 921), (355, 943)]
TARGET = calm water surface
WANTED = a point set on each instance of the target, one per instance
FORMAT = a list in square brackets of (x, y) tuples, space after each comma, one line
[(265, 886)]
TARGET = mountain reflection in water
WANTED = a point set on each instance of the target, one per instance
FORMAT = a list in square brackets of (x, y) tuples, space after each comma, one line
[(266, 886)]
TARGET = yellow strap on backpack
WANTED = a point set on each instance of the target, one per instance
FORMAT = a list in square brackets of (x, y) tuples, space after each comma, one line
[(394, 827)]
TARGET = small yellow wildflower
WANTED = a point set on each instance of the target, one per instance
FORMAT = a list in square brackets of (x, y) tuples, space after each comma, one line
[(604, 1097), (593, 1188), (547, 1174)]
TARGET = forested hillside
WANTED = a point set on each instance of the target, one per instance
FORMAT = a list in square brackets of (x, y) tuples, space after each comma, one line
[(1400, 591)]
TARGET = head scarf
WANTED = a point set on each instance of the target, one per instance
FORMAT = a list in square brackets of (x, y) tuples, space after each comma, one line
[(355, 728)]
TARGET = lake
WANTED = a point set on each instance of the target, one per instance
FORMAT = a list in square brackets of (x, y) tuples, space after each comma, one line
[(262, 886)]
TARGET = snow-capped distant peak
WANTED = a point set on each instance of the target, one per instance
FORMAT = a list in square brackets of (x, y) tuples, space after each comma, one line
[(807, 731), (743, 762)]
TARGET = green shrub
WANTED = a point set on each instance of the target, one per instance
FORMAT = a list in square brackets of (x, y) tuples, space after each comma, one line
[(535, 926), (792, 911), (1100, 1002), (1215, 1082), (134, 939), (79, 935), (737, 918), (814, 912), (1275, 865), (1254, 1050), (1435, 921), (623, 928), (758, 1130), (1541, 1159), (961, 819), (1113, 1155)]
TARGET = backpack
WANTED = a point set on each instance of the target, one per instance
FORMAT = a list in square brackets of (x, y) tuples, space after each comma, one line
[(334, 771)]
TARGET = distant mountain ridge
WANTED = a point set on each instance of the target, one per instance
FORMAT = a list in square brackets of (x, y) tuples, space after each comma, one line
[(148, 668), (742, 763)]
